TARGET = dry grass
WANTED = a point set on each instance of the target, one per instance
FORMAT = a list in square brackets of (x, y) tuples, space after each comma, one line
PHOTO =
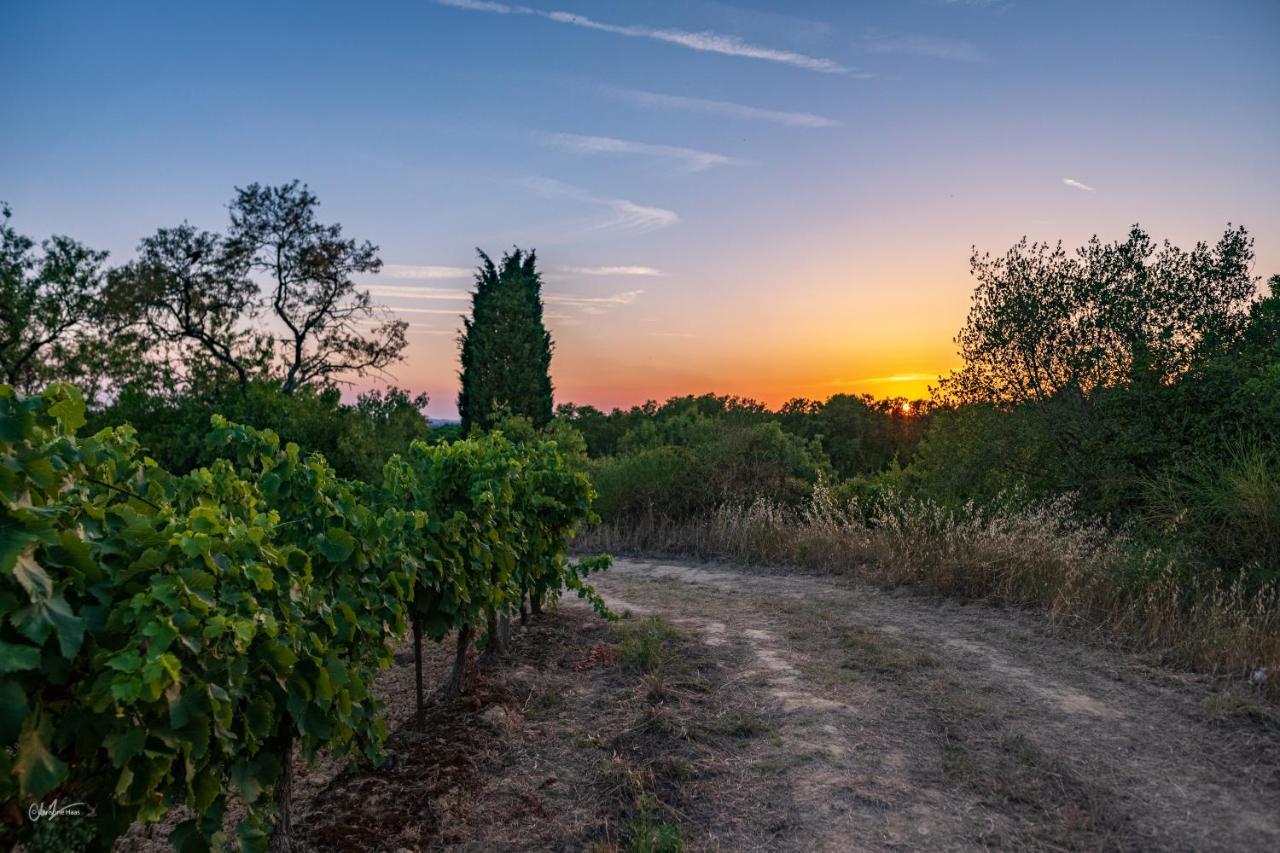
[(1039, 556)]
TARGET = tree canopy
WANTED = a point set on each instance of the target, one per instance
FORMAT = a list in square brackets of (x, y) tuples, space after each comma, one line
[(1044, 322), (48, 303), (506, 349)]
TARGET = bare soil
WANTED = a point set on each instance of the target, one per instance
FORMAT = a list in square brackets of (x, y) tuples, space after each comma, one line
[(784, 711)]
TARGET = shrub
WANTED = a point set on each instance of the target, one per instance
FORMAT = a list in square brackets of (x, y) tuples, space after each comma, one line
[(662, 481), (1225, 512), (736, 464)]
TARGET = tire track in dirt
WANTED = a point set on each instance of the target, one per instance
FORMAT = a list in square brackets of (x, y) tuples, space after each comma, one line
[(907, 722)]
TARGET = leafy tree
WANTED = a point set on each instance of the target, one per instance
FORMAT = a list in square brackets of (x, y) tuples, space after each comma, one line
[(1092, 346), (599, 430), (506, 349), (1046, 324), (311, 293), (199, 315), (190, 294), (48, 303)]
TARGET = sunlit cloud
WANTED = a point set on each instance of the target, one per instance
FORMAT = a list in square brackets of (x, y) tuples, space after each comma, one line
[(400, 309), (419, 328), (593, 304), (979, 4), (623, 215), (1071, 182), (706, 41), (586, 304), (478, 6), (689, 159), (612, 271), (885, 380), (729, 109), (425, 272), (933, 48), (417, 292)]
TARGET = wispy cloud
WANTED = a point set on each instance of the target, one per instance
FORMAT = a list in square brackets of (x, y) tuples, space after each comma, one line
[(884, 380), (425, 272), (1073, 183), (437, 293), (933, 48), (611, 271), (625, 298), (979, 4), (478, 6), (689, 159), (587, 304), (593, 304), (452, 312), (624, 215), (706, 41), (722, 108), (411, 328)]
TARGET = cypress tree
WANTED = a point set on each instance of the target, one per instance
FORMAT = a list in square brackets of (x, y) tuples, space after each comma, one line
[(506, 349)]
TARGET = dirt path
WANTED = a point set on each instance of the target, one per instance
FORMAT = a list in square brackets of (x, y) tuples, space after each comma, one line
[(902, 722)]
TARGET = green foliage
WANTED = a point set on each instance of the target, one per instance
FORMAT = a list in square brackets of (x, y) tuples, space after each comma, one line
[(1155, 399), (356, 439), (183, 623), (506, 349), (979, 452), (860, 435), (690, 454), (721, 464), (165, 640), (554, 499), (1224, 510), (499, 517), (471, 539), (661, 481), (51, 299), (1044, 323)]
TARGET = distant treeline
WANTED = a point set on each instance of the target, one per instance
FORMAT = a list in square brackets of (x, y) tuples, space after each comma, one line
[(1139, 382)]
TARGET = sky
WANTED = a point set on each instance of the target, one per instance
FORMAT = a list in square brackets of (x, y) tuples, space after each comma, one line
[(766, 199)]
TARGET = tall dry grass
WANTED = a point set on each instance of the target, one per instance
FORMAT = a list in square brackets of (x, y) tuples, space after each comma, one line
[(1039, 556)]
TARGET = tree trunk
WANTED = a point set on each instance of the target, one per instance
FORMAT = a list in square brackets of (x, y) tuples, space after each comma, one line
[(535, 604), (454, 686), (420, 718), (494, 643), (504, 633), (284, 791), (524, 612)]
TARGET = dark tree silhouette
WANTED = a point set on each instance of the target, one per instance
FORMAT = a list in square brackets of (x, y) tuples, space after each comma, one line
[(506, 349), (191, 295), (1044, 324), (48, 302), (311, 292)]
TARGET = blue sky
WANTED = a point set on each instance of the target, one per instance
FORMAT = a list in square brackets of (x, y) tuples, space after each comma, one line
[(767, 199)]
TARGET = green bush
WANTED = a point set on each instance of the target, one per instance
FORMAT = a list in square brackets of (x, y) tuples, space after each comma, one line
[(1224, 511), (663, 481), (356, 439), (730, 464)]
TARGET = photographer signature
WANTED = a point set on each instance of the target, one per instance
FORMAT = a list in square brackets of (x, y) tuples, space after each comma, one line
[(52, 810)]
